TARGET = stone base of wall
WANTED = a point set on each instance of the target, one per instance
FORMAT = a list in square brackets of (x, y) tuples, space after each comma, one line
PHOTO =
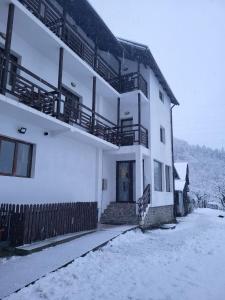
[(158, 215)]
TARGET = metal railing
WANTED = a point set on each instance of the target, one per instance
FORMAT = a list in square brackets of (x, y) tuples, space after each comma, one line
[(144, 201)]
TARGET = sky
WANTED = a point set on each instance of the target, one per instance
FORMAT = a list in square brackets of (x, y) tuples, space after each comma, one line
[(187, 39)]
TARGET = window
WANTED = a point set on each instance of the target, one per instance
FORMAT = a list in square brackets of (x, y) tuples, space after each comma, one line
[(162, 135), (161, 96), (15, 157), (168, 178), (158, 176)]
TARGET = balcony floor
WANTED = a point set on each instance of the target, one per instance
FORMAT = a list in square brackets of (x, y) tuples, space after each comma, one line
[(13, 108)]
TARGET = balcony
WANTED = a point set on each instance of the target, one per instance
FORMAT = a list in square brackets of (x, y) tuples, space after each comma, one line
[(47, 13), (130, 82), (38, 94)]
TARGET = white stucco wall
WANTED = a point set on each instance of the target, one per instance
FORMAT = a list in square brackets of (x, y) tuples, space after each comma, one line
[(160, 116), (64, 169)]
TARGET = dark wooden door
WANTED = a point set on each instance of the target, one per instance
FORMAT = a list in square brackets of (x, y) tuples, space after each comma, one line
[(125, 181)]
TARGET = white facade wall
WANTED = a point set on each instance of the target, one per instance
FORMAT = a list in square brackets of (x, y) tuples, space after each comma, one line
[(160, 116), (64, 169)]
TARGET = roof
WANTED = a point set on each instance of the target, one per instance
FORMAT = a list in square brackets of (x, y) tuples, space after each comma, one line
[(92, 24), (182, 169), (179, 185), (142, 52)]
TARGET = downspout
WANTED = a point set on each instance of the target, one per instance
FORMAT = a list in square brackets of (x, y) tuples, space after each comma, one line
[(172, 149)]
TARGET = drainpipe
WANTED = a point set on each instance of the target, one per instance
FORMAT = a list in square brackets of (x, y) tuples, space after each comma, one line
[(172, 149)]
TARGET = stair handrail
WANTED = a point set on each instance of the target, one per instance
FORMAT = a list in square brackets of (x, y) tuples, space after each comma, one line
[(143, 201)]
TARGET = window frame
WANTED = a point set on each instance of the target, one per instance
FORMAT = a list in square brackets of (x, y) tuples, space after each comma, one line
[(15, 157), (168, 179), (162, 135), (161, 164)]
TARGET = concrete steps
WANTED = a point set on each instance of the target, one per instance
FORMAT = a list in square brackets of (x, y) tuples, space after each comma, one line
[(120, 213)]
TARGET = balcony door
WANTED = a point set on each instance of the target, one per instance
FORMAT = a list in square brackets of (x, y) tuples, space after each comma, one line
[(127, 133), (71, 106), (125, 181)]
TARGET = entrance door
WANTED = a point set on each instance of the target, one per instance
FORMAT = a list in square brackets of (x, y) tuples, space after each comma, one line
[(125, 181)]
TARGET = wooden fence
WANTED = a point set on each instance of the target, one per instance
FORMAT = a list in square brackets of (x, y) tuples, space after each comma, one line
[(24, 224)]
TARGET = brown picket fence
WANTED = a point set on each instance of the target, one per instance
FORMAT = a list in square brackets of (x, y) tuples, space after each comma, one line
[(24, 224)]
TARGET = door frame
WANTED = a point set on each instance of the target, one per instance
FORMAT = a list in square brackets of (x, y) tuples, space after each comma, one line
[(124, 120), (131, 187)]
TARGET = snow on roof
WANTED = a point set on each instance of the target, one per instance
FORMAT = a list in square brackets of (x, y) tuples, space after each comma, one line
[(181, 168), (179, 185)]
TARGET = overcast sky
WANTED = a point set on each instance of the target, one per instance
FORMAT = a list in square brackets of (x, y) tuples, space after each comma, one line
[(187, 39)]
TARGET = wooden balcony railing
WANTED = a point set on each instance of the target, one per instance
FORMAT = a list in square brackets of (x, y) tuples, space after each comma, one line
[(134, 134), (50, 15), (130, 82), (29, 88), (53, 19), (37, 93)]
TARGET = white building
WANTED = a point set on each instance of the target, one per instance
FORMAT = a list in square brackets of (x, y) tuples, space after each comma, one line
[(182, 199), (85, 117)]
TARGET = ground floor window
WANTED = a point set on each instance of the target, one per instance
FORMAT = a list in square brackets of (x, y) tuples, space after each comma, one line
[(15, 157), (168, 178), (158, 176)]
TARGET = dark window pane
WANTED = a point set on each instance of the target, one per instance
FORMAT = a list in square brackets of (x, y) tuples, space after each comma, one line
[(157, 176), (6, 156), (23, 160), (168, 179)]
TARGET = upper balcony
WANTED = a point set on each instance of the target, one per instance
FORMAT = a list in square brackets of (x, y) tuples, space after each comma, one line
[(31, 90), (60, 25)]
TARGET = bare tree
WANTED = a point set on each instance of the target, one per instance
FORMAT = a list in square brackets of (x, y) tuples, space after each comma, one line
[(221, 194), (201, 199)]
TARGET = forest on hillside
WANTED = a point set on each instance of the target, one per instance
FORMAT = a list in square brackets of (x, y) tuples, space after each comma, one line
[(206, 167)]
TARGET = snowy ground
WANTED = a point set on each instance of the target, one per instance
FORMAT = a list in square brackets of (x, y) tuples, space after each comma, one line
[(185, 263)]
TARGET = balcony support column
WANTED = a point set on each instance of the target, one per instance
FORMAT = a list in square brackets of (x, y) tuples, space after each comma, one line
[(8, 40), (118, 112), (118, 120), (96, 55), (139, 73), (139, 118), (138, 174), (60, 74), (93, 104)]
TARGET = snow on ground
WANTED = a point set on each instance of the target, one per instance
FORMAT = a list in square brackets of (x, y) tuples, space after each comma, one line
[(186, 263)]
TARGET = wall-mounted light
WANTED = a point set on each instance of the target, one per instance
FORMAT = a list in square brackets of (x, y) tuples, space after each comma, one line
[(22, 130), (45, 133), (73, 84), (125, 69), (126, 113)]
